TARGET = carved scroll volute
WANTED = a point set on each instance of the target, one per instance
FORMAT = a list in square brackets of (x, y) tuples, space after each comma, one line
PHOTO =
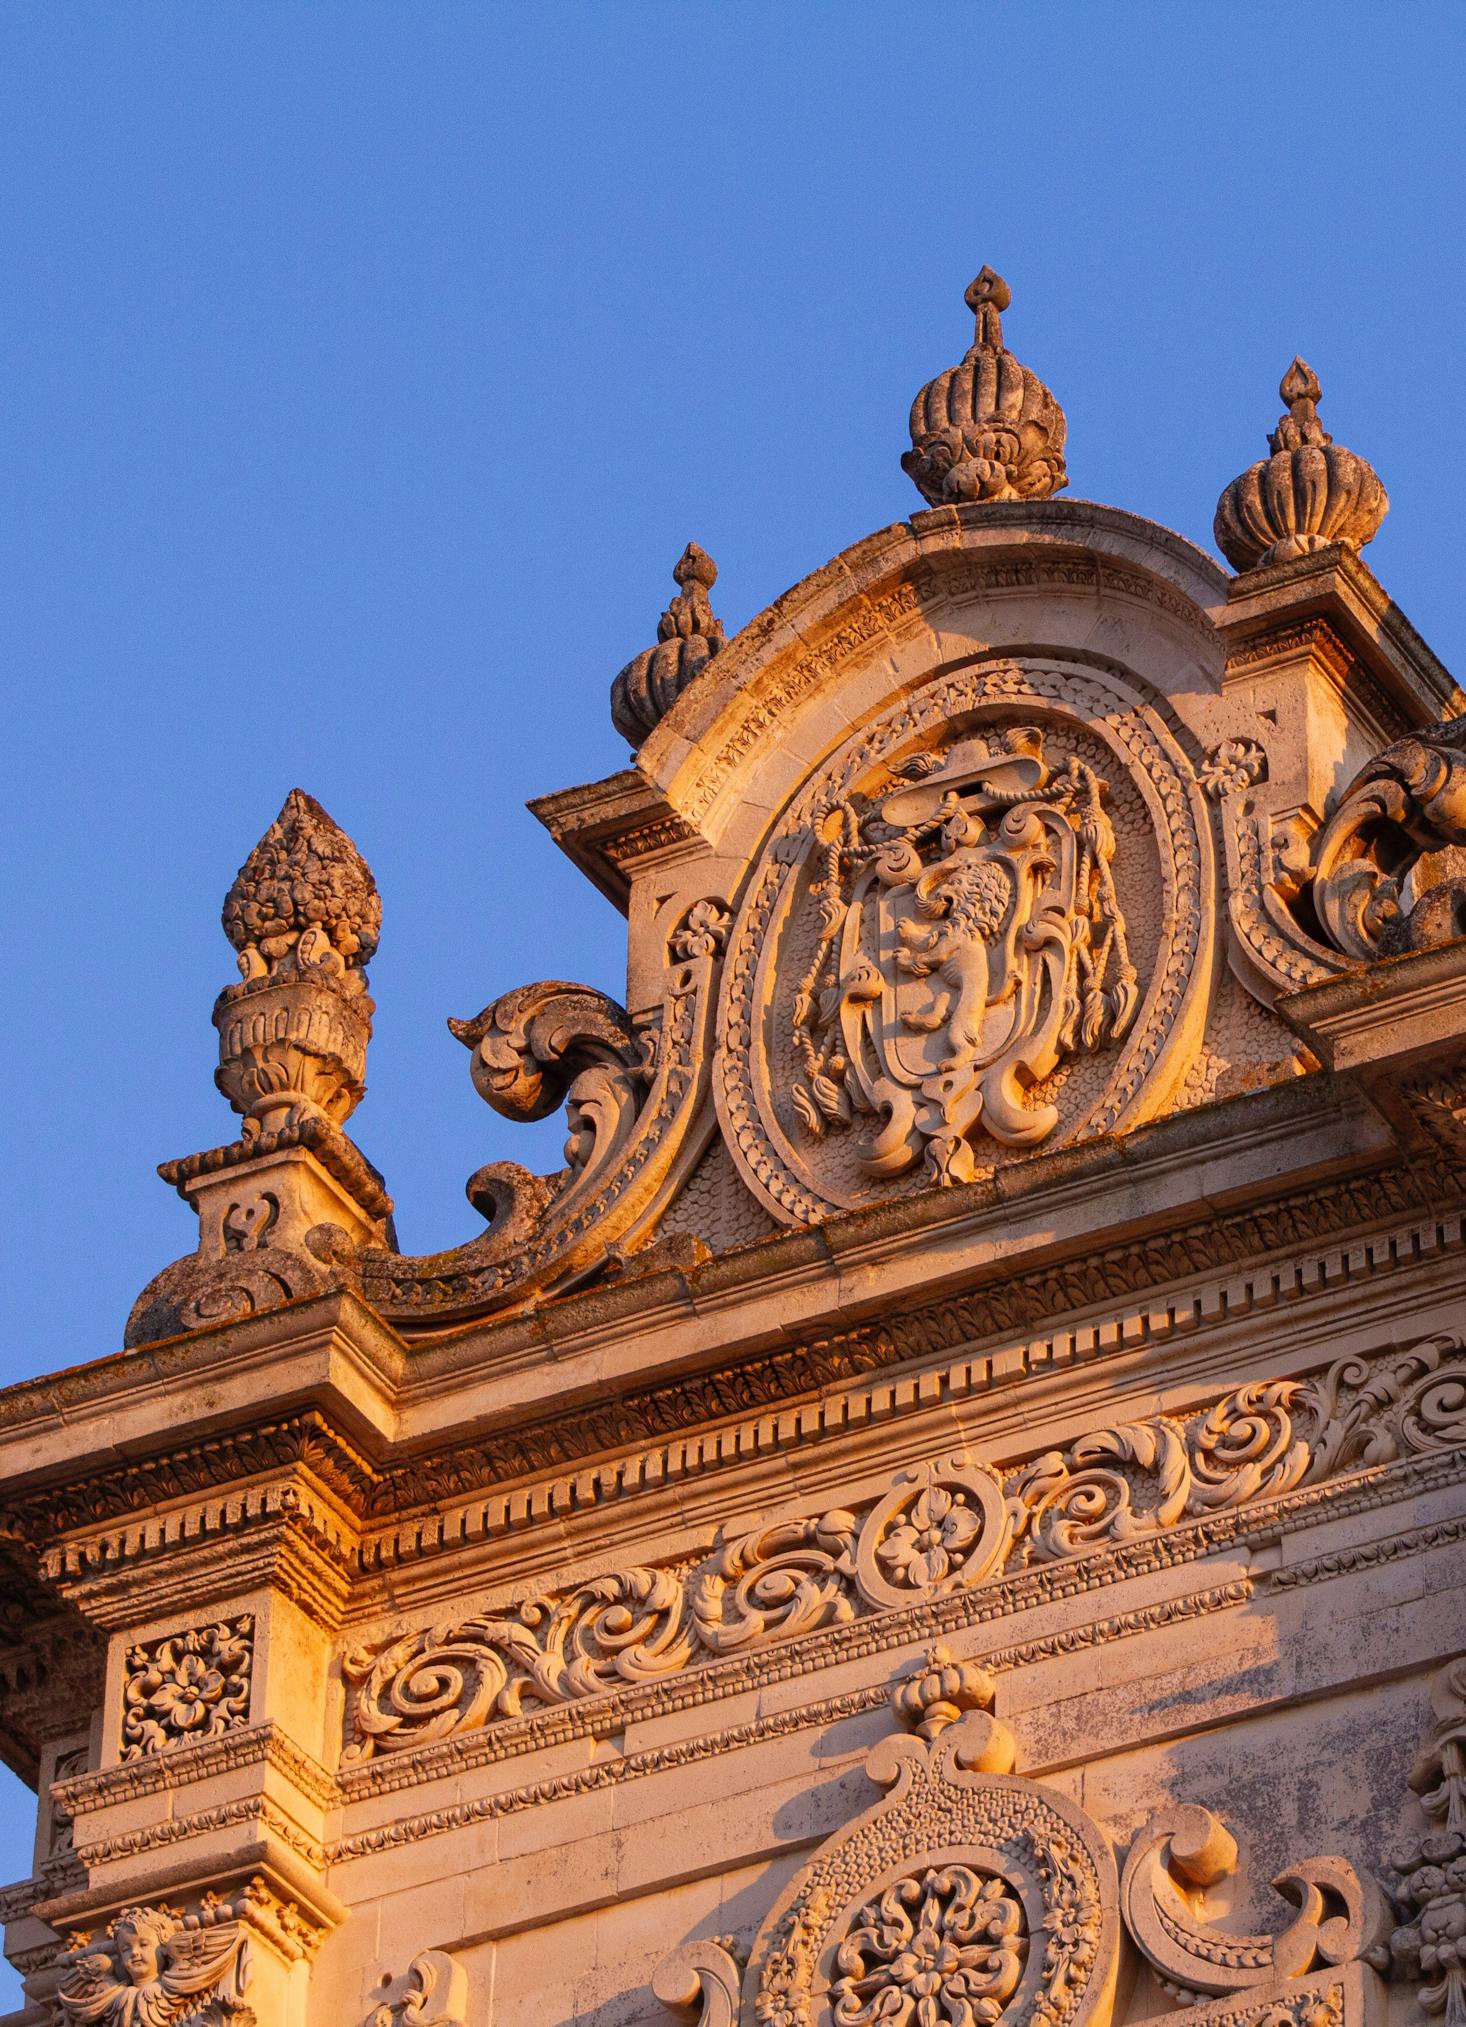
[(699, 1983), (1186, 1849), (1389, 866), (436, 1995), (552, 1044)]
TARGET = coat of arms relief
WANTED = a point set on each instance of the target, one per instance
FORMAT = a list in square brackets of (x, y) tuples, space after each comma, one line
[(982, 928), (971, 938)]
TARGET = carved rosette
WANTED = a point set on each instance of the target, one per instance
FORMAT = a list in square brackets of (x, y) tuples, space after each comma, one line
[(967, 1897), (1309, 494), (304, 916), (191, 1685), (981, 927), (688, 636), (987, 429), (941, 1526)]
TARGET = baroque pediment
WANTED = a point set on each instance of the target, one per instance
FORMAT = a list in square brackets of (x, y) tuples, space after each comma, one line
[(1015, 828)]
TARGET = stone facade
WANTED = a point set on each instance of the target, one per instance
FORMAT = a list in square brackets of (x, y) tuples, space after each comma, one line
[(960, 1478)]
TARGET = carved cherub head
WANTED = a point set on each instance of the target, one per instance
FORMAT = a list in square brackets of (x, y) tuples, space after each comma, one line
[(138, 1936)]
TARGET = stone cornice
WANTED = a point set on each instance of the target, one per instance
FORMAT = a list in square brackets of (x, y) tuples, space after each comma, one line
[(264, 1745), (304, 1470)]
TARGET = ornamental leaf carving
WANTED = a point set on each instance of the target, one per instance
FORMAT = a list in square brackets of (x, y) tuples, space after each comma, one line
[(188, 1686), (939, 1527)]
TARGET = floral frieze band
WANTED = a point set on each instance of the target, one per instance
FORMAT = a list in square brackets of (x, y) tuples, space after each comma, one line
[(189, 1686), (944, 1526)]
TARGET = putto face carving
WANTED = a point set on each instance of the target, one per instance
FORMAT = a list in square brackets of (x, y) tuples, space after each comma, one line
[(971, 939)]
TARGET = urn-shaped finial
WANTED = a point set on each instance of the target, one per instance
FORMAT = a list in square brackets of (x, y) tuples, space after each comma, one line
[(1309, 494), (987, 429), (688, 636), (304, 916)]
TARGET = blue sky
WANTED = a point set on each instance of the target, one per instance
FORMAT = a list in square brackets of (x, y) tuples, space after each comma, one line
[(365, 368)]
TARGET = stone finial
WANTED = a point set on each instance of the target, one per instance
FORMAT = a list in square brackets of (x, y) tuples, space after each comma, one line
[(688, 637), (283, 1210), (1310, 494), (304, 916), (941, 1693), (304, 897), (988, 429)]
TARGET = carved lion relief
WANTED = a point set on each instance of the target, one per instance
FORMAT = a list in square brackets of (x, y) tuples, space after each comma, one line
[(983, 926)]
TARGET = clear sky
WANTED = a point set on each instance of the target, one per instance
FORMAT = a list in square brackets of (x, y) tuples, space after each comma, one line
[(366, 367)]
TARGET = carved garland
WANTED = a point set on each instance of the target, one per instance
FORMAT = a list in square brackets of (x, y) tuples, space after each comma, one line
[(943, 1527)]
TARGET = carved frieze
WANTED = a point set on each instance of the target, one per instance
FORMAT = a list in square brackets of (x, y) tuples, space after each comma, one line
[(938, 1529)]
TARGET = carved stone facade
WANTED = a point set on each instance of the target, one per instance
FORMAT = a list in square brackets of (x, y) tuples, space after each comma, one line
[(959, 1477)]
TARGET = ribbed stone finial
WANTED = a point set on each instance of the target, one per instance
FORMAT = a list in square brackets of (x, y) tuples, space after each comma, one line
[(1309, 494), (988, 429), (688, 636)]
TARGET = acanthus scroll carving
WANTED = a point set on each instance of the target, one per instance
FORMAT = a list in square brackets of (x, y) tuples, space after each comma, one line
[(938, 1528), (1390, 864), (631, 1094)]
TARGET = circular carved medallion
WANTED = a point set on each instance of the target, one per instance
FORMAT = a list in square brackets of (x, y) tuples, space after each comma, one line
[(965, 1899), (981, 928), (940, 1526)]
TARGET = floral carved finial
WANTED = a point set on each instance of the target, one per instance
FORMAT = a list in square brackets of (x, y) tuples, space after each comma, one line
[(688, 636), (987, 429), (304, 897), (1310, 494), (304, 916)]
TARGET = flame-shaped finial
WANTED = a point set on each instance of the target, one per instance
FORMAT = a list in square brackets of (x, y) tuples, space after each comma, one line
[(987, 429), (1310, 494), (688, 636)]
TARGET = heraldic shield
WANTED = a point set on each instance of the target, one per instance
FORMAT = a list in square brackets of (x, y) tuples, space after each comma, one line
[(979, 929), (971, 937)]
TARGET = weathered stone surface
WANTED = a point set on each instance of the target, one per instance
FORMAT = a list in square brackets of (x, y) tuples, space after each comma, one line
[(956, 1481)]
